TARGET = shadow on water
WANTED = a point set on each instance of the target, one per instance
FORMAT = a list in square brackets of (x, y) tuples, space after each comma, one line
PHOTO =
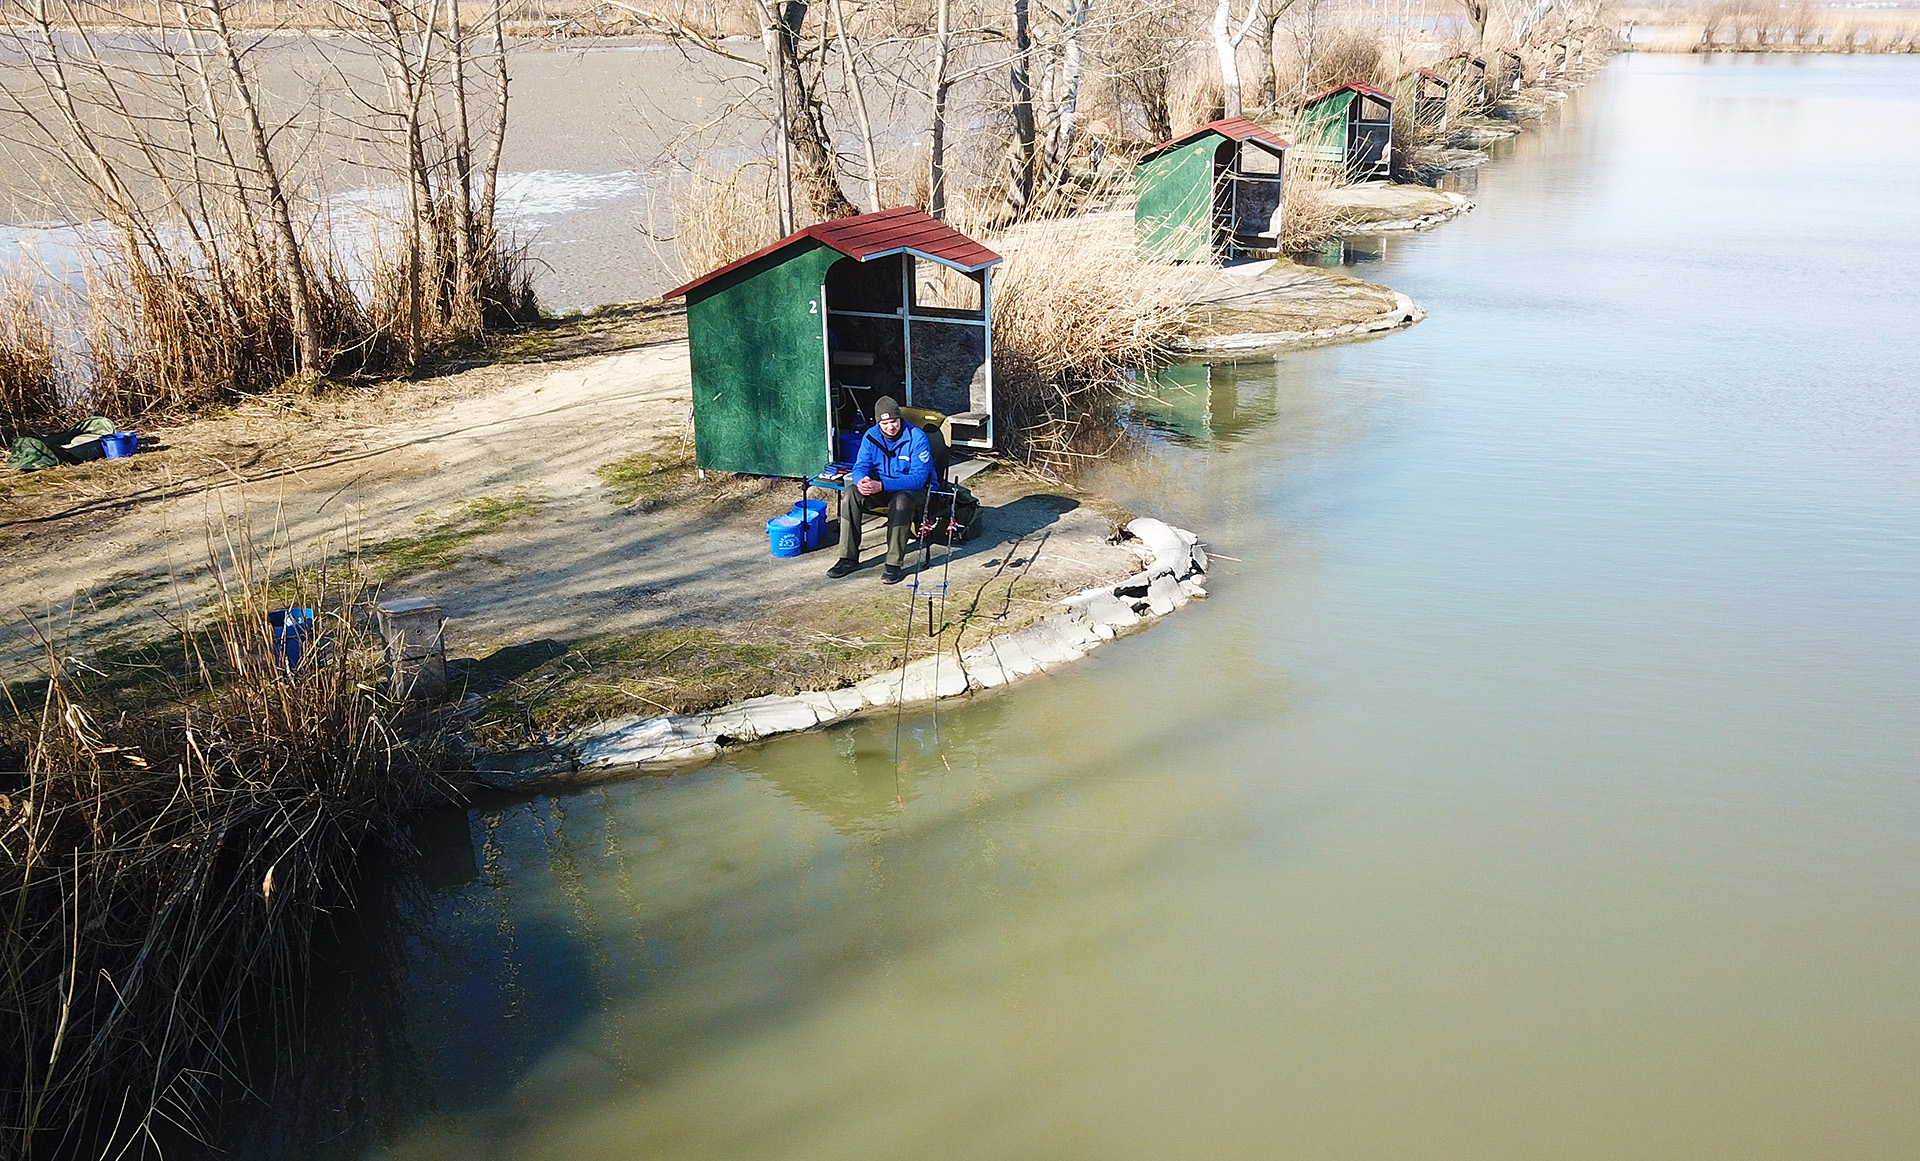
[(539, 958)]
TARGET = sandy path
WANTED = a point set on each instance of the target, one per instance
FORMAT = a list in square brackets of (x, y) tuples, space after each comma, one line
[(575, 566)]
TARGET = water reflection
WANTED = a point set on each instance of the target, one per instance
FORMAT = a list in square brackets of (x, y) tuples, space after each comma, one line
[(1205, 402)]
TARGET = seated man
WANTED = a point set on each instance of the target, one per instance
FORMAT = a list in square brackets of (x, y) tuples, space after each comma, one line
[(894, 467)]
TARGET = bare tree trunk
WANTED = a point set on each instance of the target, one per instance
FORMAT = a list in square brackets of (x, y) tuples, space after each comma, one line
[(1226, 45), (1269, 79), (806, 128), (306, 328), (463, 239), (865, 122), (1477, 16), (1223, 49), (1060, 146), (1020, 187), (937, 137), (490, 186), (409, 82), (770, 36)]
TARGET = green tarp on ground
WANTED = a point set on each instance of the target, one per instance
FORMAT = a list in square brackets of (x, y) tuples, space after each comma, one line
[(75, 445)]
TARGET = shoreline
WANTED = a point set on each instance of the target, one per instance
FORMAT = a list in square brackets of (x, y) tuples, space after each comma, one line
[(1175, 565)]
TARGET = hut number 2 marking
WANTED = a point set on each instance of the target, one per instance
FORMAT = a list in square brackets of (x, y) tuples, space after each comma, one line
[(813, 306)]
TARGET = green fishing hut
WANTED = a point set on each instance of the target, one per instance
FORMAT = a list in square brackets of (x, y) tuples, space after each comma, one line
[(1210, 193), (1510, 73), (1469, 77), (1348, 130), (1425, 93), (791, 345)]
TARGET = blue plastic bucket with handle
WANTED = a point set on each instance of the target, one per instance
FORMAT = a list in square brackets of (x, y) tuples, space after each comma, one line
[(813, 517), (783, 534), (292, 628)]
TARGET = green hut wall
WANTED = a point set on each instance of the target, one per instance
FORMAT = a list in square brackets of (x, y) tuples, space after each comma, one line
[(1469, 89), (759, 376), (1173, 216), (1321, 140)]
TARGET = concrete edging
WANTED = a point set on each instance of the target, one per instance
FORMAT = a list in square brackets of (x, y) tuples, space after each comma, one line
[(1404, 313), (1425, 221), (1175, 565)]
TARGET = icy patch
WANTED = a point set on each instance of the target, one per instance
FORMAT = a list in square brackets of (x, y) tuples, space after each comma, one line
[(551, 193)]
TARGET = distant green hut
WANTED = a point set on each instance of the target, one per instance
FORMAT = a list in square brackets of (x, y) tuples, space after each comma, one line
[(1348, 130), (1509, 75), (1425, 93), (1469, 76), (791, 345), (1211, 192)]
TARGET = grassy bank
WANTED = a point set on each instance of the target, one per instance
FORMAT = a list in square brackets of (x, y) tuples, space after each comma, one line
[(174, 817)]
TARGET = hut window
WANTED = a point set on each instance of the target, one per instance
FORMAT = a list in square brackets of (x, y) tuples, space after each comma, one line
[(937, 285), (1374, 110), (1256, 160)]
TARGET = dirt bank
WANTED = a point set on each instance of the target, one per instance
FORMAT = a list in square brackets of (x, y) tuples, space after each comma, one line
[(551, 508)]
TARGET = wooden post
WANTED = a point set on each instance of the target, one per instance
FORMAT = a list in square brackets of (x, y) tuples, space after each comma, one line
[(414, 630)]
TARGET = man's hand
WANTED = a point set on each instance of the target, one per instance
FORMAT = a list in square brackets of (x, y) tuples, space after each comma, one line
[(867, 486)]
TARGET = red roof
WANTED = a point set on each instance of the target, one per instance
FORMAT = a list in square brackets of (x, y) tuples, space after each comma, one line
[(1468, 56), (869, 236), (1356, 86), (1232, 128), (1427, 73)]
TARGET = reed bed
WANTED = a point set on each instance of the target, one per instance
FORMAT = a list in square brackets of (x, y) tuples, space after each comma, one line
[(177, 817), (30, 397), (1074, 305)]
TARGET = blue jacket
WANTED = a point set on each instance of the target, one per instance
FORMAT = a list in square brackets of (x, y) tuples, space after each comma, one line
[(901, 465)]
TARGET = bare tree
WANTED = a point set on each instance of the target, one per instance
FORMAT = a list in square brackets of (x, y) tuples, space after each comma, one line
[(1226, 46)]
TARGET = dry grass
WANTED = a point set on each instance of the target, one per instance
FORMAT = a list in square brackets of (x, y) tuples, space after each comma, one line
[(31, 401), (166, 335), (719, 216), (1308, 215), (1073, 303), (176, 817), (1769, 26)]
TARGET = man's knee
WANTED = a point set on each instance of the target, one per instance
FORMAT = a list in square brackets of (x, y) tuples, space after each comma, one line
[(900, 507)]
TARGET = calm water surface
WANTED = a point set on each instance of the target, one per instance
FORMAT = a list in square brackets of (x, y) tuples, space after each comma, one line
[(1540, 781)]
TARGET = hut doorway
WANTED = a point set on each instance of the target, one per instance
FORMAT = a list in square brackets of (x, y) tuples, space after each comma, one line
[(916, 329), (1369, 150), (1250, 189)]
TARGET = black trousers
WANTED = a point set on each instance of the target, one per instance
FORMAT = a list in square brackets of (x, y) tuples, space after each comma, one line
[(902, 509)]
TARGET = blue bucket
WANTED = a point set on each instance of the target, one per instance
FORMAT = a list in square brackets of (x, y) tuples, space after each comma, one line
[(813, 515), (783, 532), (847, 447), (292, 629), (119, 445)]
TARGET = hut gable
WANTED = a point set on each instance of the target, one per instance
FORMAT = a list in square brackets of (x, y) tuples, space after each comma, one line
[(1469, 73), (1231, 128), (1208, 192), (865, 237), (789, 345), (1425, 93), (1348, 130)]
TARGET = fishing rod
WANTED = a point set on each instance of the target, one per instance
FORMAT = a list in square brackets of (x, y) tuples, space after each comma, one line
[(906, 647), (946, 567)]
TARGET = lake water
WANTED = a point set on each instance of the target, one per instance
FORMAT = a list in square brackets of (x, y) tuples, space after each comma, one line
[(1539, 782)]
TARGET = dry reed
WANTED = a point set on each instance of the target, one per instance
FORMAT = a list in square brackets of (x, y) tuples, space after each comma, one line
[(720, 216), (1074, 303), (180, 815), (31, 401)]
